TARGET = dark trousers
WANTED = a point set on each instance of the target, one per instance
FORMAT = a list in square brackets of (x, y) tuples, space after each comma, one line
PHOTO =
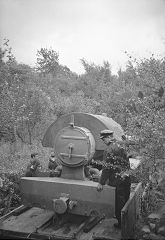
[(122, 196)]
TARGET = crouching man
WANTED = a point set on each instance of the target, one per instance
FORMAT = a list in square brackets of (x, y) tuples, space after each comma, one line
[(33, 167), (54, 166)]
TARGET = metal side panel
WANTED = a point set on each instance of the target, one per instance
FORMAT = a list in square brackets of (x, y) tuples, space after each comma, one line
[(131, 213), (41, 192)]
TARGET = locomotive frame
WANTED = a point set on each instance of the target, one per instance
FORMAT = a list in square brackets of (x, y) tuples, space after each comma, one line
[(70, 207)]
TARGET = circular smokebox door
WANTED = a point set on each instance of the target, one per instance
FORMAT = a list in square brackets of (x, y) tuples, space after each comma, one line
[(74, 146)]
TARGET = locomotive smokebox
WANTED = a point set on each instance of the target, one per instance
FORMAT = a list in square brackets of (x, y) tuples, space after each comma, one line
[(74, 146), (75, 138)]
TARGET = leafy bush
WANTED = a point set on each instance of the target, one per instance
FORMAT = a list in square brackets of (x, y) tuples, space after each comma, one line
[(10, 197)]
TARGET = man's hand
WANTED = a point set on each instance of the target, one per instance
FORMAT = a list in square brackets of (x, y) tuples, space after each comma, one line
[(99, 187), (123, 175)]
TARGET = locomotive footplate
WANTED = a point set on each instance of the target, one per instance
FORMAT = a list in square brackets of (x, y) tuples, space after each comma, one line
[(37, 223)]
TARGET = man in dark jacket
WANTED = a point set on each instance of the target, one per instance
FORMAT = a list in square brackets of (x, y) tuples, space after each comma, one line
[(115, 167), (33, 166)]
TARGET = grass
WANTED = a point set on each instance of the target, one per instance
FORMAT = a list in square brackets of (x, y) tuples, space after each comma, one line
[(15, 157)]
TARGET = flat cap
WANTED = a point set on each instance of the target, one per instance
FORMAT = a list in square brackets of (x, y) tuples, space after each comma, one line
[(105, 133), (52, 154)]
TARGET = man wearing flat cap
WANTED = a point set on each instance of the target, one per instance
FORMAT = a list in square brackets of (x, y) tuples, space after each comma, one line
[(114, 166), (52, 164)]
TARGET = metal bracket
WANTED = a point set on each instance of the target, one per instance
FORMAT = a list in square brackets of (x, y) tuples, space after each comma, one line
[(70, 149), (72, 121)]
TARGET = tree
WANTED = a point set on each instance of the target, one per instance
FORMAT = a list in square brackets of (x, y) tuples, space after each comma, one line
[(47, 61), (77, 102), (6, 100), (35, 108), (23, 105), (147, 123)]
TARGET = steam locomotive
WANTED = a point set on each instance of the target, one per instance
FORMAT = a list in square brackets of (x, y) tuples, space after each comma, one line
[(69, 206)]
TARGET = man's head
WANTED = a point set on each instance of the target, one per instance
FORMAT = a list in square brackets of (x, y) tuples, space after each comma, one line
[(107, 136), (33, 155), (34, 159)]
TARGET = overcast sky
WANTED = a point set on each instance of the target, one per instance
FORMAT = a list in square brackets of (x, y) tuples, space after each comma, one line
[(96, 30)]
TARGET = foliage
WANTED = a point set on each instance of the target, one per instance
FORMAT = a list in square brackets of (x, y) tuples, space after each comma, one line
[(47, 61), (9, 192), (75, 103), (146, 114), (22, 104)]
